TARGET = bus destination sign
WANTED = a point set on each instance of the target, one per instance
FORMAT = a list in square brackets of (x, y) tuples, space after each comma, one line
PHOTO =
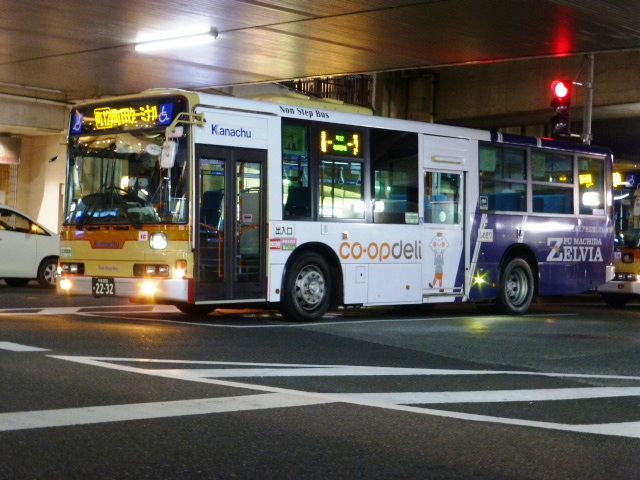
[(346, 144), (134, 115)]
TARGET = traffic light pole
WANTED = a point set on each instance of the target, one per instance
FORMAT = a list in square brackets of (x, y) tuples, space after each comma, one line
[(561, 104), (588, 102)]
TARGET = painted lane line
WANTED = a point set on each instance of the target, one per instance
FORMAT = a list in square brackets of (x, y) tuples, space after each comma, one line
[(624, 429), (144, 411), (298, 370), (16, 347), (103, 310), (497, 396)]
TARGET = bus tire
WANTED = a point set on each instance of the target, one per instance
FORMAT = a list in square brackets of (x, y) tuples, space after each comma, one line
[(516, 289), (615, 299), (196, 310), (307, 289)]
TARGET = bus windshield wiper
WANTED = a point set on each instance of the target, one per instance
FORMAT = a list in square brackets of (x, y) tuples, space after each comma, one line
[(121, 199), (84, 216)]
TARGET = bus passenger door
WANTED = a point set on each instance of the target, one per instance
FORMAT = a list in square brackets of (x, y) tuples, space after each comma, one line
[(443, 263), (230, 234)]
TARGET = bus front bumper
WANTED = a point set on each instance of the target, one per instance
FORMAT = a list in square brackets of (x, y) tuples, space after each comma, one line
[(145, 289), (620, 287)]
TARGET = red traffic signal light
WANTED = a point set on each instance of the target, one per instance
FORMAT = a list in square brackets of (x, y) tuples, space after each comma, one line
[(561, 88), (561, 104)]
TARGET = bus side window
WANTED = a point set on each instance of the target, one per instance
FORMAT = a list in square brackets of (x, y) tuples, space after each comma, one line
[(503, 178), (296, 194), (442, 197), (591, 186), (394, 159)]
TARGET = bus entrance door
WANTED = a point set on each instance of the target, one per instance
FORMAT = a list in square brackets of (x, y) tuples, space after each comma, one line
[(444, 176), (444, 237), (230, 233)]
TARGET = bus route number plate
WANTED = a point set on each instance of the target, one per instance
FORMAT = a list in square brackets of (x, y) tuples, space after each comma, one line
[(103, 287)]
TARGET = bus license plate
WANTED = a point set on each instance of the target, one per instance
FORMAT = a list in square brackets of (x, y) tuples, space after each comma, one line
[(103, 287)]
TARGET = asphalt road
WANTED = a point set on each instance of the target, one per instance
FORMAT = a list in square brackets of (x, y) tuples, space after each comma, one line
[(95, 388)]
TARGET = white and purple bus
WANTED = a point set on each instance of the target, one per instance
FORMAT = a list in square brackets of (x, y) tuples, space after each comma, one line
[(205, 202)]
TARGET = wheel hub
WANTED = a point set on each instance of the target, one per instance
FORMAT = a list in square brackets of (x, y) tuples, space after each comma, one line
[(311, 287)]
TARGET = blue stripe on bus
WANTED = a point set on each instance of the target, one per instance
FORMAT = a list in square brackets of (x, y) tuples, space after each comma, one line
[(547, 143)]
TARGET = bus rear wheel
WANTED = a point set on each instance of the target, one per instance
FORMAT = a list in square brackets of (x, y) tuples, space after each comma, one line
[(516, 289), (616, 299), (307, 289)]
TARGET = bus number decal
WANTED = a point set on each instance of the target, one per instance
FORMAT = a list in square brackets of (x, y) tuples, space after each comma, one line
[(485, 235)]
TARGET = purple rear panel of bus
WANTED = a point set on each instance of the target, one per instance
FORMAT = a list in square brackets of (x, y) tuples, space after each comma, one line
[(568, 254), (571, 254)]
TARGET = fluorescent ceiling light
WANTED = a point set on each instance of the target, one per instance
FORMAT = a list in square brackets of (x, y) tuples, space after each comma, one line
[(178, 41)]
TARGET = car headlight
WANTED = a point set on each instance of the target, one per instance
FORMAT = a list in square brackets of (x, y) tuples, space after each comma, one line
[(158, 241)]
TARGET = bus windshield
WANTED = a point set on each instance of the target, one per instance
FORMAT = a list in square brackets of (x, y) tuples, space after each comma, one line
[(627, 212), (118, 179)]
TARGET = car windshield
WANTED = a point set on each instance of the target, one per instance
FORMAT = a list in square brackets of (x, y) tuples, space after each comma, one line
[(118, 179)]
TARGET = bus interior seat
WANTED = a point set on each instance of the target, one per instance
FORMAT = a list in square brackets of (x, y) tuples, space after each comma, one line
[(505, 201), (552, 203), (297, 204), (211, 211)]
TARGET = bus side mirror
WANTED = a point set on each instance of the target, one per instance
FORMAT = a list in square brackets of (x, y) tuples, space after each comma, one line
[(170, 147), (168, 157)]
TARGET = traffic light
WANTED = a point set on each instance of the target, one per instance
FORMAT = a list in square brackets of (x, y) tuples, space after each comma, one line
[(561, 105)]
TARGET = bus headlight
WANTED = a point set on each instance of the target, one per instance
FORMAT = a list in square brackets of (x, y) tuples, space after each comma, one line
[(148, 288), (66, 268), (158, 241)]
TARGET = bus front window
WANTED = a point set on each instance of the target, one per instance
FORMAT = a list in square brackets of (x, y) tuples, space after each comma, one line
[(118, 179)]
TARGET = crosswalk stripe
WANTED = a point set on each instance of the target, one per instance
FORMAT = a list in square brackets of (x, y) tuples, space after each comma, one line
[(144, 411), (496, 396), (16, 347)]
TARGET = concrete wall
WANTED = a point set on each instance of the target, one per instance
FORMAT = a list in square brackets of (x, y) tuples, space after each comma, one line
[(40, 180), (41, 125), (511, 93), (32, 114)]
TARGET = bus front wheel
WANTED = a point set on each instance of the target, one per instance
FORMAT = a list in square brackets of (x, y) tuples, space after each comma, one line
[(516, 287), (195, 310), (307, 288)]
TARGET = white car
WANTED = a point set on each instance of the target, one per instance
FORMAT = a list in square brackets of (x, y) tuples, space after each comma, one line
[(28, 250)]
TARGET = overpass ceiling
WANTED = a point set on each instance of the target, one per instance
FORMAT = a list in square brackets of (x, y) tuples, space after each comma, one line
[(71, 49)]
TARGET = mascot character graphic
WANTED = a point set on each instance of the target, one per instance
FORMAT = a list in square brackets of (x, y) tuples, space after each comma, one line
[(438, 244)]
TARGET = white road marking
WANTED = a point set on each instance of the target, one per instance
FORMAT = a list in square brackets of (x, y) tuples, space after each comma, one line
[(16, 347), (298, 370), (139, 308), (496, 396), (389, 401), (142, 411)]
